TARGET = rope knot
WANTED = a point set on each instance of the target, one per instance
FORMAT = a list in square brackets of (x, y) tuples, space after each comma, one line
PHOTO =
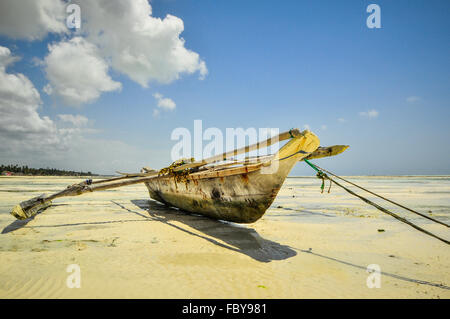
[(290, 133), (321, 175)]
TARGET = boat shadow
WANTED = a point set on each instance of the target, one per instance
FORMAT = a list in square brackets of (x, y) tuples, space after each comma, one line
[(17, 224), (244, 240), (224, 234), (22, 223)]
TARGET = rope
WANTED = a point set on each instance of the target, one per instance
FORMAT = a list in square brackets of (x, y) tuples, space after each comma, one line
[(384, 210), (290, 133), (386, 199), (179, 175)]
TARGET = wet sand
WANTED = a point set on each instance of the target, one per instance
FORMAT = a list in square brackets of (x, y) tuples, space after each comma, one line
[(308, 245)]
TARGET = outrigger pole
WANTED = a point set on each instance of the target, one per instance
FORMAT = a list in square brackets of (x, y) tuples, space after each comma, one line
[(32, 206)]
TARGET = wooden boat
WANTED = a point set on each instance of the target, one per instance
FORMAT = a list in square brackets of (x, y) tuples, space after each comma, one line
[(219, 187), (239, 193)]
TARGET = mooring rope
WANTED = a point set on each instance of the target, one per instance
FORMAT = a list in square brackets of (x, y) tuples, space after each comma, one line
[(386, 199), (323, 176)]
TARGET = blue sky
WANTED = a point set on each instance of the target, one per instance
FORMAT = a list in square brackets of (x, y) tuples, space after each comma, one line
[(282, 64)]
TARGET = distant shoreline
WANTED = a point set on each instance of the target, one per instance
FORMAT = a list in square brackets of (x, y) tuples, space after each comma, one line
[(24, 170)]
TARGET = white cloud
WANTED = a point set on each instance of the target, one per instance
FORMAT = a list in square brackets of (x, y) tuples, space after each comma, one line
[(143, 47), (323, 127), (20, 122), (26, 138), (341, 120), (121, 34), (164, 103), (24, 134), (369, 114), (76, 120), (117, 34), (77, 72), (6, 58), (48, 89), (413, 99), (32, 19)]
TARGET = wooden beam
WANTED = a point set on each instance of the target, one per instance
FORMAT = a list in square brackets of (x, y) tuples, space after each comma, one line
[(222, 157)]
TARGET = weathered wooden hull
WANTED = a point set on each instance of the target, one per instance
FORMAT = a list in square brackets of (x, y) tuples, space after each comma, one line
[(241, 197)]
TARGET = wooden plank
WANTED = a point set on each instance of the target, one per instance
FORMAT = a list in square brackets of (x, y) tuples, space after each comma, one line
[(226, 172), (327, 151), (243, 150), (244, 162)]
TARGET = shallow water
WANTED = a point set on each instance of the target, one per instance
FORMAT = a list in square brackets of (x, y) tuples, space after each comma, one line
[(301, 198)]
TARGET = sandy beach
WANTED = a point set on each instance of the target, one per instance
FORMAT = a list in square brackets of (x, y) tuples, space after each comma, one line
[(307, 245)]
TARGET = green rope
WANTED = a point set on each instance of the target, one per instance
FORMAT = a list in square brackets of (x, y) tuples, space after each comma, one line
[(290, 133), (312, 165), (320, 175)]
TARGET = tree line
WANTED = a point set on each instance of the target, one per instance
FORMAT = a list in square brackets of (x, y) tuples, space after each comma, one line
[(25, 170)]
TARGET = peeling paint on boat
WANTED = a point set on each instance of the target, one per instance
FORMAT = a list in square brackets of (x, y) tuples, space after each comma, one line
[(240, 198)]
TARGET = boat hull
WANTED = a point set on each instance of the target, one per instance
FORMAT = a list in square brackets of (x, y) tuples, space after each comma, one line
[(239, 195), (240, 198)]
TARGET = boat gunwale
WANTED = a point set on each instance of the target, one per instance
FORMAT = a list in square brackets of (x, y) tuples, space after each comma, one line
[(210, 173)]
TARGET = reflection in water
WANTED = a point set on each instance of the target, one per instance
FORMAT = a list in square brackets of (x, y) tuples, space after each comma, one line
[(228, 235)]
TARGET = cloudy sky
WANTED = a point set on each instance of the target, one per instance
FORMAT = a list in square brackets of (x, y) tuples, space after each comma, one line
[(107, 96)]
